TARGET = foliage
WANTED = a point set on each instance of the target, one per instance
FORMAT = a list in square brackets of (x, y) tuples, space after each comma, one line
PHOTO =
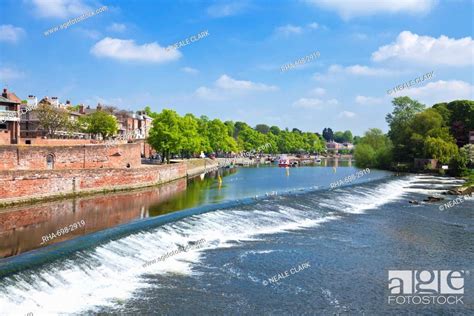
[(399, 121), (328, 135), (364, 156), (165, 136), (374, 150), (51, 118), (187, 136), (458, 163), (343, 137), (437, 148), (262, 128), (458, 116), (100, 122)]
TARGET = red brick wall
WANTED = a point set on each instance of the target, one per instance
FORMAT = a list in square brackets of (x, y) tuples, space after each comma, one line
[(55, 142), (5, 137), (70, 157), (25, 185), (21, 228)]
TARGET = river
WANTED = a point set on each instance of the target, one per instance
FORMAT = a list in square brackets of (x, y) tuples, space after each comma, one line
[(260, 240)]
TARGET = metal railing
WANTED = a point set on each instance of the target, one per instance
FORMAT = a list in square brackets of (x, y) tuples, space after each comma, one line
[(9, 116)]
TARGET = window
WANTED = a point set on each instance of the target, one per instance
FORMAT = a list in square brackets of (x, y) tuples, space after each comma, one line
[(3, 126), (50, 161)]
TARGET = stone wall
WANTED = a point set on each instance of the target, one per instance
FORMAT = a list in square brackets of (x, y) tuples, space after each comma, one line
[(198, 166), (70, 157), (22, 186)]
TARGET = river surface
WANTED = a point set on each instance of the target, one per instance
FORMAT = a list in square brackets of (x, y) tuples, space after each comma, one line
[(246, 241)]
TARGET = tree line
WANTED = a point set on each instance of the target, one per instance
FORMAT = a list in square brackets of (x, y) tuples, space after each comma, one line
[(440, 132), (188, 135)]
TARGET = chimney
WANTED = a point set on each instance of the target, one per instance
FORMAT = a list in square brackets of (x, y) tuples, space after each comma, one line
[(81, 109), (99, 106), (5, 94)]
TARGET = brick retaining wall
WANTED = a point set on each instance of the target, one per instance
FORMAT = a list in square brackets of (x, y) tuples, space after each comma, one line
[(70, 157), (26, 185)]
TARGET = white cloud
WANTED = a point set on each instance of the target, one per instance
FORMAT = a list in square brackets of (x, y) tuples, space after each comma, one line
[(59, 8), (93, 34), (439, 91), (318, 91), (116, 27), (308, 103), (7, 74), (368, 71), (351, 8), (414, 48), (226, 86), (190, 70), (288, 30), (226, 82), (226, 9), (360, 36), (363, 100), (127, 50), (346, 114), (356, 70), (313, 103), (10, 33), (209, 94)]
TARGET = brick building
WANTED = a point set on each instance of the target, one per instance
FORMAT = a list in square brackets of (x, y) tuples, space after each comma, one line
[(9, 118)]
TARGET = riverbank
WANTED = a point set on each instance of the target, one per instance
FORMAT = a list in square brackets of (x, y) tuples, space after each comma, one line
[(30, 186)]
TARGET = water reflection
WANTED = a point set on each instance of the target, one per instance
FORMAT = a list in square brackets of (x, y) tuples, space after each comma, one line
[(22, 227)]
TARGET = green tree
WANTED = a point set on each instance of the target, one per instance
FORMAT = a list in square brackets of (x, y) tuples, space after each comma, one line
[(339, 137), (328, 134), (219, 138), (165, 134), (191, 141), (458, 163), (275, 130), (374, 149), (437, 148), (262, 128), (399, 120), (365, 156), (347, 137), (100, 122), (52, 119), (461, 120)]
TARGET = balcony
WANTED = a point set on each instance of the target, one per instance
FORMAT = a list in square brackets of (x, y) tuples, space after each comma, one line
[(9, 116)]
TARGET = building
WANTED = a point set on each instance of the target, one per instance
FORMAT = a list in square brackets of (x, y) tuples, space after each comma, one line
[(144, 124), (471, 137), (20, 123), (348, 146), (333, 146), (9, 118)]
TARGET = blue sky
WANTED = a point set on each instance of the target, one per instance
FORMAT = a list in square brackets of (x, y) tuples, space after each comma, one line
[(118, 57)]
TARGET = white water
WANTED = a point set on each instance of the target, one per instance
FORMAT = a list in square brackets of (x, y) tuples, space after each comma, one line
[(112, 272)]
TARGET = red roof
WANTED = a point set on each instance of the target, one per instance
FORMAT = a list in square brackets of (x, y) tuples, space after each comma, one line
[(12, 96)]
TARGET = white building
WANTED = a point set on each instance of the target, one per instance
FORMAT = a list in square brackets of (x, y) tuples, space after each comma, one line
[(32, 101)]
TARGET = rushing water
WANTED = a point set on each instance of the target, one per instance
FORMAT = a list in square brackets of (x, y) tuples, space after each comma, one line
[(339, 245)]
